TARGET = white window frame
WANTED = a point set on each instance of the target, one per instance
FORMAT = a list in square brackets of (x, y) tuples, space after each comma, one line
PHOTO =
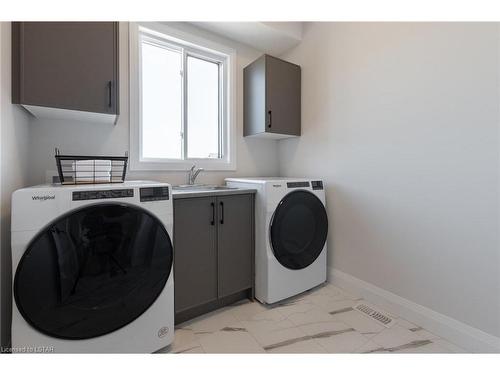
[(174, 38)]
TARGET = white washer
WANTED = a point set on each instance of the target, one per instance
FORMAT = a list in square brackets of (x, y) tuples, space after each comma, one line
[(92, 268), (291, 229)]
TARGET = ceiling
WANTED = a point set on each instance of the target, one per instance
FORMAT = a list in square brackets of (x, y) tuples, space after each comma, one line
[(270, 37)]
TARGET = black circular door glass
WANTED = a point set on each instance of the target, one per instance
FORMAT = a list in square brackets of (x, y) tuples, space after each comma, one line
[(298, 229), (93, 271)]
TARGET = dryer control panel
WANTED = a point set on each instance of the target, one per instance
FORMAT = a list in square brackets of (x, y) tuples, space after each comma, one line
[(317, 185), (300, 184)]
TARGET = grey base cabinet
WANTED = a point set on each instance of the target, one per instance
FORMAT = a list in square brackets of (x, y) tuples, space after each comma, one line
[(213, 253)]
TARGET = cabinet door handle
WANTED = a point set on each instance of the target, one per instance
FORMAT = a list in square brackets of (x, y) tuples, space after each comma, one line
[(222, 212), (212, 222), (110, 94), (270, 114)]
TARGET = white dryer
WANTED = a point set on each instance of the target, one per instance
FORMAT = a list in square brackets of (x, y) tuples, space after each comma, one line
[(92, 268), (291, 229)]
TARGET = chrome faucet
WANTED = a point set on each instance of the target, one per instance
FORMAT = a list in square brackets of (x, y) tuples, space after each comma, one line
[(193, 173)]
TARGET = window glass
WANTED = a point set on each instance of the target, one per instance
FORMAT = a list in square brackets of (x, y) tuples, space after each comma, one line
[(161, 102), (182, 108), (202, 108)]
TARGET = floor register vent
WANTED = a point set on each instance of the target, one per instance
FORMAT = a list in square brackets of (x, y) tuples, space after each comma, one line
[(377, 315)]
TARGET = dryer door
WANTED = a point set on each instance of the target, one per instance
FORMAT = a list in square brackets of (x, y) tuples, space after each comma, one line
[(298, 229), (93, 271)]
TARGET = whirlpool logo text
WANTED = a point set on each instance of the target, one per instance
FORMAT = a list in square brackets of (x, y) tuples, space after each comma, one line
[(43, 197)]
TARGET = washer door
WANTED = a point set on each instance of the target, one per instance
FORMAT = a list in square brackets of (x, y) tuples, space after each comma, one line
[(298, 229), (93, 271)]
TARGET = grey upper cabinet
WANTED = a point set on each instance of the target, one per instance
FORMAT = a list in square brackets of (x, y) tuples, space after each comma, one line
[(71, 66), (213, 253), (272, 98)]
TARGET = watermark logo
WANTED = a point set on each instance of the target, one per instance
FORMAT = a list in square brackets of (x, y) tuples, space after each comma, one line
[(28, 349)]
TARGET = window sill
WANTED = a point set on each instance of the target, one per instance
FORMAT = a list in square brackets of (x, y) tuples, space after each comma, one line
[(185, 165)]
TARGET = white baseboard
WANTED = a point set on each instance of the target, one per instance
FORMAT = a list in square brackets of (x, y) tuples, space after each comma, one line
[(461, 334)]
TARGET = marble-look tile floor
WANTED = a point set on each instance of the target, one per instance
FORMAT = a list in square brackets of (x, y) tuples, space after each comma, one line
[(321, 320)]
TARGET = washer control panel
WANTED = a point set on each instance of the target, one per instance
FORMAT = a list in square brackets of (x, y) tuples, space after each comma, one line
[(150, 194), (102, 194)]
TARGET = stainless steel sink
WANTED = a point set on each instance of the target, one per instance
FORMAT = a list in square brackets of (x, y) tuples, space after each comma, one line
[(201, 187)]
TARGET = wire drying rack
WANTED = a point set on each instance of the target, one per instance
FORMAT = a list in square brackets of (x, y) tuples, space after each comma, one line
[(80, 169)]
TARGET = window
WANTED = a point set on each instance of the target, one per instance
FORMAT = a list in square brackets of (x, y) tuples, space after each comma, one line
[(181, 101)]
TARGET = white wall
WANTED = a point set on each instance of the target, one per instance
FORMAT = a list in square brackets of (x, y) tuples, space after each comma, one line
[(401, 120), (14, 137), (254, 156)]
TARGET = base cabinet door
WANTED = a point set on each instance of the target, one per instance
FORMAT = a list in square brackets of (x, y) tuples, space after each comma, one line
[(213, 253), (195, 252), (235, 243)]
